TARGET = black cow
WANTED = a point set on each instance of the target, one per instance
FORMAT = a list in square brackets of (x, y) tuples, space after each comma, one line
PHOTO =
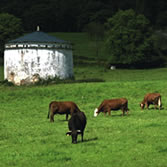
[(76, 125)]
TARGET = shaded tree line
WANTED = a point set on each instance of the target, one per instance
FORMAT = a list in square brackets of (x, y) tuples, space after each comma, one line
[(73, 15), (126, 28)]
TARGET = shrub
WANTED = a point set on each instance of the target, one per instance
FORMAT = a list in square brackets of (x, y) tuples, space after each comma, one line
[(10, 28)]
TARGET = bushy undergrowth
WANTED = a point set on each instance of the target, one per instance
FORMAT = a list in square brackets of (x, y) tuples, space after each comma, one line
[(56, 80)]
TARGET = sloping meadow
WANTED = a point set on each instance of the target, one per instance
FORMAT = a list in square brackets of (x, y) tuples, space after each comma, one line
[(27, 138)]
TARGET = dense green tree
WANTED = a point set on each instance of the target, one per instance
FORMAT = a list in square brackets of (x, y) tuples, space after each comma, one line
[(130, 40), (10, 28)]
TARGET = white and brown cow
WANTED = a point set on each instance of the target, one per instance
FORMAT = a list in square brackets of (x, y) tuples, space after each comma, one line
[(112, 104), (151, 98)]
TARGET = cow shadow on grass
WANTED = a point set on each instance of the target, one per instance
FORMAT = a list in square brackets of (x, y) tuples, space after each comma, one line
[(117, 115), (88, 140), (153, 108), (61, 120)]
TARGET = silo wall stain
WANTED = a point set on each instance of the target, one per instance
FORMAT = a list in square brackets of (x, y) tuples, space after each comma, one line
[(23, 66)]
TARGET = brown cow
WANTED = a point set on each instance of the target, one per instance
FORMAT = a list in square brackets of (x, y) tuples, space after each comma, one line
[(66, 107), (151, 98), (113, 104)]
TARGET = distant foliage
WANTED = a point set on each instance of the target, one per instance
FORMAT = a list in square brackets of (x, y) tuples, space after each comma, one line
[(130, 40), (95, 32), (10, 28), (73, 15)]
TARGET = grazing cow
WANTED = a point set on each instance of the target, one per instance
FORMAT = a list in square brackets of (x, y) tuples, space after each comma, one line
[(151, 98), (76, 125), (113, 104), (66, 107)]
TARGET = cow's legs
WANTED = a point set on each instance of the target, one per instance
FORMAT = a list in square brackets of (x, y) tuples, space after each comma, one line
[(127, 111), (82, 133), (52, 117), (104, 113), (66, 117), (147, 105), (123, 112)]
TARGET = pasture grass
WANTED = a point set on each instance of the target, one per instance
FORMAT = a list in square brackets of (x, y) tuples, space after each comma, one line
[(27, 138), (84, 49), (119, 75)]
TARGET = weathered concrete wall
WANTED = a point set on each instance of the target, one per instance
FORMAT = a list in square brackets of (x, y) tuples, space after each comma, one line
[(26, 65)]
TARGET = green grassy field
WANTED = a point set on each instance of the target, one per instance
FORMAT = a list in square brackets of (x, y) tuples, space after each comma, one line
[(27, 138), (84, 50)]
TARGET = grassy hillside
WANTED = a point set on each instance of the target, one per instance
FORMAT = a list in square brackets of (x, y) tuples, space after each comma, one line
[(91, 72), (27, 138), (84, 49)]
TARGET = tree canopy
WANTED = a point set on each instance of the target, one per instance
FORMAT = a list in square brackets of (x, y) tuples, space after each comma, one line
[(73, 15), (130, 40), (10, 27)]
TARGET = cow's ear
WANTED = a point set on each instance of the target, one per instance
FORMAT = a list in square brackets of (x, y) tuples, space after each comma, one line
[(68, 133)]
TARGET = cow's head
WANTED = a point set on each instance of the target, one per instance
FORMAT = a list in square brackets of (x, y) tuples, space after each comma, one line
[(74, 135), (96, 112), (142, 105)]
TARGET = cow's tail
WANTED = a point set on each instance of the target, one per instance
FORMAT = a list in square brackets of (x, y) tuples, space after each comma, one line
[(127, 109), (159, 102), (49, 111), (48, 114)]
